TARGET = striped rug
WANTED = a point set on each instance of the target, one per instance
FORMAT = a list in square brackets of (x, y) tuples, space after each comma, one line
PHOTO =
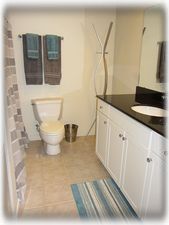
[(101, 199)]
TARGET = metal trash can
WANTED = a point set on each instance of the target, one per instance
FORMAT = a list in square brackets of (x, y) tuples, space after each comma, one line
[(70, 132)]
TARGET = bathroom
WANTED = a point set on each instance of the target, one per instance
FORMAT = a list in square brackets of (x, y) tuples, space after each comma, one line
[(47, 190)]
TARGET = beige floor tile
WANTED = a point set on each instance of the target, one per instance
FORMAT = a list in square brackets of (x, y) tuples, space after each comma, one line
[(35, 147), (35, 212), (36, 183), (58, 167), (54, 178), (78, 172), (34, 168), (100, 174), (62, 211), (35, 198), (73, 180), (50, 177), (55, 163), (57, 193), (53, 166), (34, 173), (32, 163), (73, 161)]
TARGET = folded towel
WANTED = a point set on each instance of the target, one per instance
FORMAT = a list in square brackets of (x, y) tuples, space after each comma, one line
[(32, 45), (52, 68), (53, 46), (32, 67)]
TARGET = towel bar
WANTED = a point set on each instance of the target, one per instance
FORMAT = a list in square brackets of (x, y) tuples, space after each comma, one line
[(20, 36)]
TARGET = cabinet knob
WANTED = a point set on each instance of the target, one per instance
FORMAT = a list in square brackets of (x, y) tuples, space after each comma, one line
[(149, 160), (105, 122), (120, 135), (101, 107), (124, 138), (165, 153)]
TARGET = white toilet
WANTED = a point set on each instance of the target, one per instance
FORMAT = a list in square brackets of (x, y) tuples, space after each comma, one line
[(47, 112)]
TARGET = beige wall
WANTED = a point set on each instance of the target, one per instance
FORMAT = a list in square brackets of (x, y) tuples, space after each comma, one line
[(70, 25), (154, 21), (128, 41), (78, 60)]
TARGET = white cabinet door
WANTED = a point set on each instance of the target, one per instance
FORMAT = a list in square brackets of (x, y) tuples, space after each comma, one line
[(156, 196), (115, 152), (101, 137), (134, 173)]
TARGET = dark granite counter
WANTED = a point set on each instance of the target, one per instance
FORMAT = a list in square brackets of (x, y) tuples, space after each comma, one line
[(124, 103)]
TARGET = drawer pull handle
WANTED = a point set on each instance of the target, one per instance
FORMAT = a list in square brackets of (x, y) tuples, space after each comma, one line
[(105, 122), (101, 107), (149, 160), (120, 135)]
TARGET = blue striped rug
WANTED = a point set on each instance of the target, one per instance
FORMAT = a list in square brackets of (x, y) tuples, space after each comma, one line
[(101, 199)]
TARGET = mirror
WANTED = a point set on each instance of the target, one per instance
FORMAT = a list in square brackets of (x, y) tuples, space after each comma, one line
[(152, 67)]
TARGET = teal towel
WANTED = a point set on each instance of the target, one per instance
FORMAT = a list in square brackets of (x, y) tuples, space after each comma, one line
[(53, 48), (32, 43)]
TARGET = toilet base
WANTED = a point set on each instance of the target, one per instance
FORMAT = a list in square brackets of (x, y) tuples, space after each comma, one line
[(52, 149)]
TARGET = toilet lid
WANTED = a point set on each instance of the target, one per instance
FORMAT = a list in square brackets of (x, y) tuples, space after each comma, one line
[(52, 127)]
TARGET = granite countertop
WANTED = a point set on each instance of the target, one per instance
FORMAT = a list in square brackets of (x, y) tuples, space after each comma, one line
[(124, 103)]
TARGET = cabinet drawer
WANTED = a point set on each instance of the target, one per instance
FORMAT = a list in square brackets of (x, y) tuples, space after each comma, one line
[(159, 145), (140, 133), (103, 107)]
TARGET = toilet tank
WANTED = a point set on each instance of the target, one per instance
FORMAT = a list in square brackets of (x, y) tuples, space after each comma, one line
[(47, 109)]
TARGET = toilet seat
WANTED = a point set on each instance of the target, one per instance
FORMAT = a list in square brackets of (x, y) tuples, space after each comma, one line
[(52, 127)]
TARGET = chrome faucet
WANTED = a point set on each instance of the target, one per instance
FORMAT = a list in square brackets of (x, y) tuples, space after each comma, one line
[(164, 97)]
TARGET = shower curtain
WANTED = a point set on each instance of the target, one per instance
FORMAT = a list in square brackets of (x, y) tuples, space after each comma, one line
[(15, 126)]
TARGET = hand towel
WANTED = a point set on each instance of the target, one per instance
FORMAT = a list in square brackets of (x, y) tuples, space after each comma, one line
[(161, 69), (52, 68), (53, 46), (32, 67), (32, 45)]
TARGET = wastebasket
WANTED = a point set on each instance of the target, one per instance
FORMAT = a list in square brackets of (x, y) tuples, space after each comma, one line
[(71, 132)]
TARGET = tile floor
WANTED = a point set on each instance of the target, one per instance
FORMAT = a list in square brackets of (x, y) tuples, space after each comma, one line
[(49, 177)]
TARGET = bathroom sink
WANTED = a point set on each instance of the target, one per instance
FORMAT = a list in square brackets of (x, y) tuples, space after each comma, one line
[(150, 110)]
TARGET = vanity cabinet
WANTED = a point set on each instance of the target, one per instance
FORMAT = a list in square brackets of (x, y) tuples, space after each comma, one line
[(101, 137), (115, 152), (154, 197), (134, 173), (133, 155)]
